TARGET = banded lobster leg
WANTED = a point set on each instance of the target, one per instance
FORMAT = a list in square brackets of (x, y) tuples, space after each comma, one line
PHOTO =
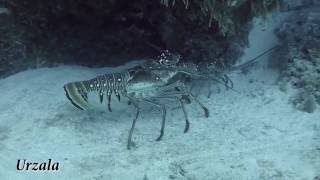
[(186, 128), (154, 100), (179, 94), (180, 91), (179, 97), (135, 103), (224, 80), (163, 115)]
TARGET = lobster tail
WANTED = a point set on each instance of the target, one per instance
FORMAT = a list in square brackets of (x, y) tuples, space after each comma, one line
[(105, 85), (78, 98)]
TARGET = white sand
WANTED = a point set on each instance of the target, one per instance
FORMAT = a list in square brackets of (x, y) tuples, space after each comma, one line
[(253, 135)]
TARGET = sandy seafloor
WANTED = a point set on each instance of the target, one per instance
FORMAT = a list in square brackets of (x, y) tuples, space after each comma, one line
[(255, 134)]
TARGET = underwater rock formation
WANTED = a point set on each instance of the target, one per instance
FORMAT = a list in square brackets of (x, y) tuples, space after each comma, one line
[(109, 33), (299, 56)]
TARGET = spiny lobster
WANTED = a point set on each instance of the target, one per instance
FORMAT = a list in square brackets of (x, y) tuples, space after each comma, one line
[(151, 82), (138, 85)]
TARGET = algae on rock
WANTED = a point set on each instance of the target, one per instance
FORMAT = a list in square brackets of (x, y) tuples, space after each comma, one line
[(108, 33), (299, 56)]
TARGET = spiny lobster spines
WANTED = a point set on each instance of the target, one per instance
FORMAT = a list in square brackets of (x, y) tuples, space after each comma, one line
[(108, 84)]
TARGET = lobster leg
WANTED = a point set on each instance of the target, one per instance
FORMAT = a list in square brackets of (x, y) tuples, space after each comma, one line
[(179, 99), (229, 81), (182, 91), (135, 104), (163, 113), (186, 128), (188, 94), (225, 80), (205, 109)]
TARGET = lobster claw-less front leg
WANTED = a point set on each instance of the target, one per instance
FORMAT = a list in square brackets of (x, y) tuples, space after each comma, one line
[(136, 105), (163, 115), (186, 128), (180, 93)]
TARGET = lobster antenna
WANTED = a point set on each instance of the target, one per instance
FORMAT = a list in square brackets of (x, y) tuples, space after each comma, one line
[(252, 61)]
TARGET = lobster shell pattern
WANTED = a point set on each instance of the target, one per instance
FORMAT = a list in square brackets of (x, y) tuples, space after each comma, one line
[(105, 85)]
